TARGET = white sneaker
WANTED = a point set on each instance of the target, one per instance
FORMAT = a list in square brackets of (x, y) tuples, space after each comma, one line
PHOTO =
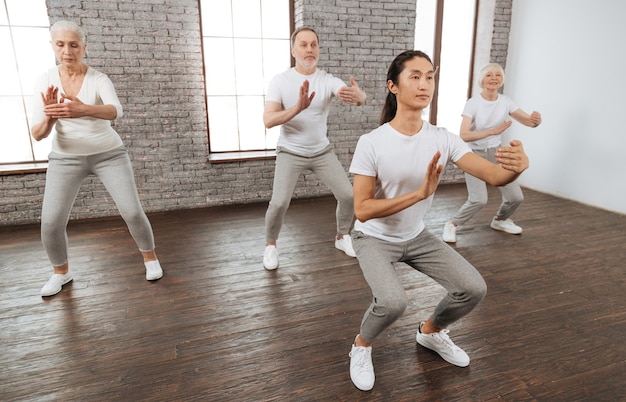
[(441, 343), (270, 258), (55, 284), (153, 270), (361, 368), (449, 233), (506, 226), (345, 244)]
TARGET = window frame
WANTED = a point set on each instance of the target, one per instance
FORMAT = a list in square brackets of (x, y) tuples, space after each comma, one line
[(438, 39), (237, 155), (34, 165)]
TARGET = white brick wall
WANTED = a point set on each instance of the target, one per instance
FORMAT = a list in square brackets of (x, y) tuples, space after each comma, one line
[(151, 50)]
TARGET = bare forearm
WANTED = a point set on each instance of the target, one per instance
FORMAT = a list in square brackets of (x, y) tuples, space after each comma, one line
[(276, 118), (469, 135), (104, 112), (42, 130), (380, 208), (500, 176)]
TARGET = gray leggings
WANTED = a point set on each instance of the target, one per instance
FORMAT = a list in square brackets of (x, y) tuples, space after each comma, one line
[(477, 196), (63, 180), (289, 167), (427, 254)]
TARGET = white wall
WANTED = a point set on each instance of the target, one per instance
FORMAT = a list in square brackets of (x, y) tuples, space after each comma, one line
[(566, 59)]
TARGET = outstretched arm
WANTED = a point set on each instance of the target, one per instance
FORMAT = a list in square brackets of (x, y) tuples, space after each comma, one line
[(512, 161), (367, 207), (530, 120), (353, 94), (275, 114)]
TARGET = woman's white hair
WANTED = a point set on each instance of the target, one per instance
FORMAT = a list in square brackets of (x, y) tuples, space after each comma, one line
[(68, 26), (487, 68)]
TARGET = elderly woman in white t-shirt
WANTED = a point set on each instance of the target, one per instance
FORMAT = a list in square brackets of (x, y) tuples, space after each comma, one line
[(485, 118), (79, 103)]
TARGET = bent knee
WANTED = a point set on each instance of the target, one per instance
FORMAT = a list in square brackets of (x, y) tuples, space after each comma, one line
[(51, 229), (478, 202), (345, 197), (279, 205), (390, 307), (476, 291)]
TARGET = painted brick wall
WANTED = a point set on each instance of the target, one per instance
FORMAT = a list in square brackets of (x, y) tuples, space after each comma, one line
[(501, 29), (151, 50)]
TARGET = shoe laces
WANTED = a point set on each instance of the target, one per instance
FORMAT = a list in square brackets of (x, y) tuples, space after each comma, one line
[(442, 337), (361, 357)]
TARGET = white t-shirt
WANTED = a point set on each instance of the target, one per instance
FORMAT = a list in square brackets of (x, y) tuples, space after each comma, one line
[(399, 163), (306, 133), (487, 114), (83, 135)]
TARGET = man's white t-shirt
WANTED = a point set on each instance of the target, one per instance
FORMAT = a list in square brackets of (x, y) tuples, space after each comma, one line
[(306, 133), (399, 162), (487, 114)]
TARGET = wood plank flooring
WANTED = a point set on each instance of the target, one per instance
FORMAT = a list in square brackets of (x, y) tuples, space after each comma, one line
[(218, 327)]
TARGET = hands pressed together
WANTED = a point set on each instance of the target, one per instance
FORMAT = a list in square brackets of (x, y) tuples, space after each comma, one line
[(58, 108)]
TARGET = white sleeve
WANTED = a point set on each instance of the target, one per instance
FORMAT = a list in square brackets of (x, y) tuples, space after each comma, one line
[(106, 92), (363, 158)]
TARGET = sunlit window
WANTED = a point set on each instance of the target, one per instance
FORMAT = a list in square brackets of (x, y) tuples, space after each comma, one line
[(457, 31), (26, 54), (246, 43)]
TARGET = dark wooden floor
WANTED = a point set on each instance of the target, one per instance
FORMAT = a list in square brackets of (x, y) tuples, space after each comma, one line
[(218, 327)]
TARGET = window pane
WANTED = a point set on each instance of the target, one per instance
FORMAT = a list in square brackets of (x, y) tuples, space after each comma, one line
[(223, 130), (276, 58), (425, 20), (455, 57), (246, 19), (251, 128), (220, 66), (272, 11), (3, 16), (34, 55), (28, 13), (456, 53), (14, 135), (249, 66), (217, 19), (26, 50), (246, 43), (8, 67)]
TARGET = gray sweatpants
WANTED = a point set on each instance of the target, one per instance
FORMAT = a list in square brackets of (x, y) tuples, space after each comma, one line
[(477, 197), (427, 254), (63, 180), (289, 167)]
